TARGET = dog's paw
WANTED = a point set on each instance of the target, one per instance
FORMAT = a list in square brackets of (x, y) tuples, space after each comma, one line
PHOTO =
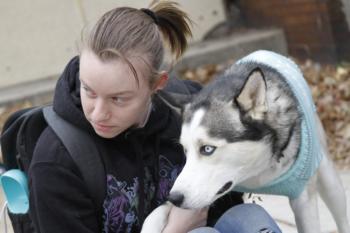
[(157, 220)]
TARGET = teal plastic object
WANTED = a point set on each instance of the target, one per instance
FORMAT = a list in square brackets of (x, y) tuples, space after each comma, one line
[(15, 185)]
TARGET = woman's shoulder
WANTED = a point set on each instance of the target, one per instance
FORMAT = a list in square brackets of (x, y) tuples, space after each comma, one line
[(50, 150), (182, 86)]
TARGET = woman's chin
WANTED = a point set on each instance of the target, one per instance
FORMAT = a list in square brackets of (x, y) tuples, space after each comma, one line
[(106, 133)]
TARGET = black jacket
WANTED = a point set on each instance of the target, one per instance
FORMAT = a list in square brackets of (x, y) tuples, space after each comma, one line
[(141, 166)]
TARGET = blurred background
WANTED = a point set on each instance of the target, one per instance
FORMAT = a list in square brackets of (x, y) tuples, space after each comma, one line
[(39, 37)]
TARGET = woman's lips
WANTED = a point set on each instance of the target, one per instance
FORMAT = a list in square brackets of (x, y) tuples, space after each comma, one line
[(101, 127)]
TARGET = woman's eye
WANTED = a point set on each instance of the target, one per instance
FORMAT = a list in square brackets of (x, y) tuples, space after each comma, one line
[(207, 150), (116, 99), (119, 100), (88, 92)]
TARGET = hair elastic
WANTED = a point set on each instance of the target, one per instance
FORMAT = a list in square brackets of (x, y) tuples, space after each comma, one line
[(151, 14)]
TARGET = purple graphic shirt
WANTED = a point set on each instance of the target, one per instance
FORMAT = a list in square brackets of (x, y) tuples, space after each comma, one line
[(122, 200)]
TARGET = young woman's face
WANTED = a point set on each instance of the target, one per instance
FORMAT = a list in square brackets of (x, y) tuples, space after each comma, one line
[(111, 99)]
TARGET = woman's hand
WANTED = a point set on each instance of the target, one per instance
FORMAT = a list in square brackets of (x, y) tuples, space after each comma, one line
[(184, 220)]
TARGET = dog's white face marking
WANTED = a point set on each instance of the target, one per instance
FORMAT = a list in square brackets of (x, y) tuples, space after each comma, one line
[(196, 120), (213, 163)]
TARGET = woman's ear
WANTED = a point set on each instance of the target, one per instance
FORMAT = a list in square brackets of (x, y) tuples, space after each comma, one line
[(161, 82)]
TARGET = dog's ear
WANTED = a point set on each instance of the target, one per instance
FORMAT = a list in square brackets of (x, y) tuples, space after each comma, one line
[(175, 101), (252, 98)]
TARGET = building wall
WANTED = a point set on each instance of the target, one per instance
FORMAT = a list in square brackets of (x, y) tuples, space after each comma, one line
[(346, 10), (314, 29), (340, 28), (38, 37)]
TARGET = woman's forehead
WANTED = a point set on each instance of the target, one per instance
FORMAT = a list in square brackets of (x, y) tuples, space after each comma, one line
[(139, 61), (111, 74)]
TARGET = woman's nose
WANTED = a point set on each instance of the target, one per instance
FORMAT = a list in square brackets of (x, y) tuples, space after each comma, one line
[(100, 111)]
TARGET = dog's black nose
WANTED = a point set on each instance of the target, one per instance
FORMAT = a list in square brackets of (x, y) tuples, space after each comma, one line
[(176, 198)]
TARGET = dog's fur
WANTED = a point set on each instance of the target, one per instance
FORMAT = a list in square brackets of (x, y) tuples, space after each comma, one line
[(244, 129)]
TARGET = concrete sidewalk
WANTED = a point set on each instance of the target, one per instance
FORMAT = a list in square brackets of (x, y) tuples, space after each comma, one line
[(280, 210)]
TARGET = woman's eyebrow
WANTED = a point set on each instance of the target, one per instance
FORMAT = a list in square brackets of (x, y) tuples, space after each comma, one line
[(121, 93), (126, 92), (85, 85)]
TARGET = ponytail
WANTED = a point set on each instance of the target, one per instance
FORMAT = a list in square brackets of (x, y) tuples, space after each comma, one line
[(126, 32), (174, 25)]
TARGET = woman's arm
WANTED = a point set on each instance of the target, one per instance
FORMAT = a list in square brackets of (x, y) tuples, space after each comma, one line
[(59, 200), (184, 220)]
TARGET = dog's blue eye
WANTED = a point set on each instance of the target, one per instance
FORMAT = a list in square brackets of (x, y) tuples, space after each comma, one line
[(207, 150)]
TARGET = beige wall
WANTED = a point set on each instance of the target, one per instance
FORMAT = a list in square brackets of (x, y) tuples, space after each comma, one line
[(39, 36)]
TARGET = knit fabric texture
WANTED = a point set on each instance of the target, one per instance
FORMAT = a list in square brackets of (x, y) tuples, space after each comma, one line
[(292, 182)]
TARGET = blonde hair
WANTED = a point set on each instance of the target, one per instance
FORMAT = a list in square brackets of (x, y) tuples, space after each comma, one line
[(125, 32)]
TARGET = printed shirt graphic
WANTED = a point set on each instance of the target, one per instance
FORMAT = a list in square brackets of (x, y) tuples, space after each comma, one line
[(122, 200)]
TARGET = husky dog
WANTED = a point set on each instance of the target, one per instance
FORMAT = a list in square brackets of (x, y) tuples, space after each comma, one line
[(255, 129)]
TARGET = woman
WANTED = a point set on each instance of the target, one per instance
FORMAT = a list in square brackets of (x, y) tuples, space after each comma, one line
[(110, 91)]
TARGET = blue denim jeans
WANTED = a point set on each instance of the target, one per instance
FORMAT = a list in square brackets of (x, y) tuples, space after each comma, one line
[(244, 218)]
